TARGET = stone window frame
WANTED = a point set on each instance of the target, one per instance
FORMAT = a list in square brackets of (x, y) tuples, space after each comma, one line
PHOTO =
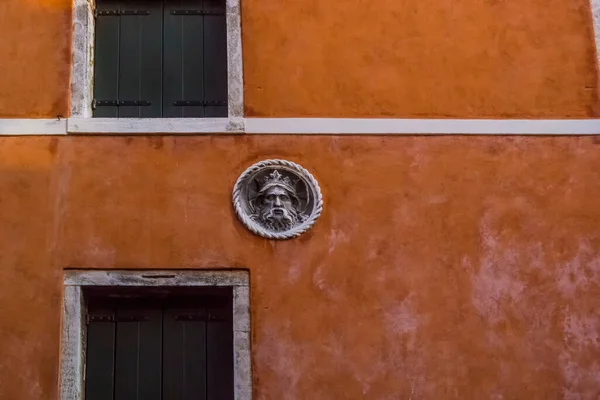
[(73, 341), (82, 78)]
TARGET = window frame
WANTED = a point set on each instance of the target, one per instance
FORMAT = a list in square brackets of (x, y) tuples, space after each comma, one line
[(82, 80), (73, 344)]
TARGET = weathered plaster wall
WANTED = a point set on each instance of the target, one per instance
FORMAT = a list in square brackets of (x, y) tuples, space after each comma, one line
[(29, 296), (420, 58), (35, 56), (442, 267), (414, 58)]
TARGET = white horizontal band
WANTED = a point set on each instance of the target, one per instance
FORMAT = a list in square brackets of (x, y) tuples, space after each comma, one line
[(18, 127), (356, 126), (301, 126), (155, 125)]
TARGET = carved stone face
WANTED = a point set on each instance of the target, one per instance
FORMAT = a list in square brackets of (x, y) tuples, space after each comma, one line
[(277, 199), (277, 208)]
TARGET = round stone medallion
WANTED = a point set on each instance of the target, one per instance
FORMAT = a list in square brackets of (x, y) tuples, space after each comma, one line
[(277, 199)]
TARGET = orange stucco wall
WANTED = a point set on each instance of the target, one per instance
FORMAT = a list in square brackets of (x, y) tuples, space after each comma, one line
[(450, 268), (35, 56), (419, 58), (382, 58), (441, 268)]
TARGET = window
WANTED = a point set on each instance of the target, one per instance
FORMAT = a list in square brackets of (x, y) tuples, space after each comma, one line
[(129, 332), (160, 59), (159, 343)]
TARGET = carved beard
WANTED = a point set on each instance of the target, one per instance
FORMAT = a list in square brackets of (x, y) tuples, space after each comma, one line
[(282, 220)]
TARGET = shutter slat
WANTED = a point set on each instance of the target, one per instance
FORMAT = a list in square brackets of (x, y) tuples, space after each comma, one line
[(183, 59), (172, 357), (184, 354), (150, 377), (140, 66), (152, 53), (129, 63), (194, 360), (100, 357), (219, 355), (193, 61), (215, 58), (138, 354), (106, 59)]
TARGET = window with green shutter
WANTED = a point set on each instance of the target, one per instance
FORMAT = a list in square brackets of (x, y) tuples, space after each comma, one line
[(159, 344), (160, 58)]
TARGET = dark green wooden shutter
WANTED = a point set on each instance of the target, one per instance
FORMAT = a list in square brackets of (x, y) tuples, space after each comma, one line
[(124, 353), (156, 58), (195, 59), (138, 364), (184, 349), (140, 60), (215, 58), (160, 349), (100, 362), (106, 58), (183, 59), (198, 352), (219, 353), (128, 59)]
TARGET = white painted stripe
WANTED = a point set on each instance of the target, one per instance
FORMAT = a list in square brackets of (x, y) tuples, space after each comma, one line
[(33, 126), (355, 126), (133, 126), (302, 126)]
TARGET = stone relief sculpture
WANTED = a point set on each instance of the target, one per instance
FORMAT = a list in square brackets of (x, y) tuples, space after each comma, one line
[(277, 199), (277, 205)]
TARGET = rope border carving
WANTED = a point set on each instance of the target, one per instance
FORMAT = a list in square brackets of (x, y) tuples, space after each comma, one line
[(314, 189)]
